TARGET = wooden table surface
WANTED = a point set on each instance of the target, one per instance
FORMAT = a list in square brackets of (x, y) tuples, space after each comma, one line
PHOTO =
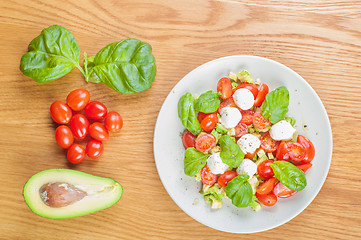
[(321, 41)]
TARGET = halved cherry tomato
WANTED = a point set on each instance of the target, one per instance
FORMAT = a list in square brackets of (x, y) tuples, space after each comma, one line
[(266, 187), (79, 125), (259, 121), (226, 177), (310, 149), (282, 151), (304, 167), (188, 139), (94, 148), (268, 200), (297, 152), (209, 122), (241, 129), (252, 87), (76, 153), (78, 99), (229, 102), (263, 91), (96, 110), (98, 131), (268, 144), (207, 176), (201, 116), (250, 155), (64, 136), (113, 122), (205, 142), (224, 87), (264, 169), (60, 112), (247, 116), (282, 191)]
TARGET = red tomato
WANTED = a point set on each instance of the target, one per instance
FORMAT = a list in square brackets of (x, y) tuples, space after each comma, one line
[(268, 200), (268, 144), (113, 122), (252, 87), (241, 129), (63, 136), (310, 149), (60, 112), (78, 99), (250, 155), (201, 116), (209, 122), (247, 116), (207, 176), (259, 121), (282, 191), (224, 87), (304, 167), (205, 142), (264, 169), (76, 153), (188, 139), (98, 131), (297, 152), (94, 149), (226, 177), (96, 110), (79, 125), (263, 91), (282, 151), (266, 187), (229, 102)]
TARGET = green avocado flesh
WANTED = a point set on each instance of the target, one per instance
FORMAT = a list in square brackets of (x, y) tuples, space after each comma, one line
[(65, 193)]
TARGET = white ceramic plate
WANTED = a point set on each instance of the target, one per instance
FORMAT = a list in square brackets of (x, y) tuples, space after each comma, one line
[(305, 106)]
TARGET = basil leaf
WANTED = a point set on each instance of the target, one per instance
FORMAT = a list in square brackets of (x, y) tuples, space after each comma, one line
[(289, 175), (127, 66), (275, 106), (51, 55), (207, 102), (292, 121), (240, 191), (194, 161), (187, 113), (231, 153)]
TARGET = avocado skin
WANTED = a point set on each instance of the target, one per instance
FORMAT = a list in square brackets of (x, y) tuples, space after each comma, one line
[(32, 197)]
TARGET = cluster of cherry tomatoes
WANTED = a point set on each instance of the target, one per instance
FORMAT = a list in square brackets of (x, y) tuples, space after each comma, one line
[(82, 123)]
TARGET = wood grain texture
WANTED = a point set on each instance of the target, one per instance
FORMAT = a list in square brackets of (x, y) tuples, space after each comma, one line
[(321, 40)]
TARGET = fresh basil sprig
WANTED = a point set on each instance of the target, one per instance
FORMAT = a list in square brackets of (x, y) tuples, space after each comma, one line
[(194, 161), (240, 191), (127, 66), (289, 175), (207, 102), (275, 106), (187, 113), (231, 153)]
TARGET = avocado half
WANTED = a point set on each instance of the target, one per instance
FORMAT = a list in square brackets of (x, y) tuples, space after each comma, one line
[(65, 193)]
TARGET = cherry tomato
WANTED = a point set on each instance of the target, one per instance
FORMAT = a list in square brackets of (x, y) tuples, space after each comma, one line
[(263, 91), (207, 176), (229, 102), (78, 99), (252, 87), (79, 125), (209, 122), (268, 200), (282, 151), (297, 152), (60, 112), (282, 191), (310, 149), (226, 177), (98, 131), (188, 139), (201, 116), (268, 144), (205, 142), (76, 153), (247, 116), (241, 129), (113, 122), (259, 121), (224, 87), (63, 136), (94, 149), (96, 110), (305, 166), (264, 169), (250, 155), (266, 187)]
